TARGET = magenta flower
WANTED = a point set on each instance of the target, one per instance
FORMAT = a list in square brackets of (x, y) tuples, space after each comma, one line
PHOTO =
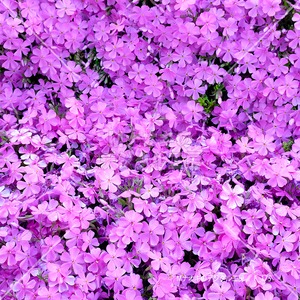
[(87, 282), (52, 247), (221, 292), (149, 191), (266, 296), (181, 143), (232, 195), (208, 22), (286, 241), (28, 187), (113, 257), (114, 279), (24, 288), (162, 286), (153, 86), (138, 73), (192, 111), (182, 56), (7, 254), (65, 7), (52, 293), (152, 232), (109, 180), (288, 86), (158, 261), (263, 144), (271, 7), (96, 260), (133, 282), (195, 89), (73, 259)]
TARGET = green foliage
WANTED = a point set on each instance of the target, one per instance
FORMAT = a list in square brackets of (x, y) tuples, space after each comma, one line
[(287, 146), (3, 139), (210, 99), (78, 57), (287, 22), (122, 201), (208, 105)]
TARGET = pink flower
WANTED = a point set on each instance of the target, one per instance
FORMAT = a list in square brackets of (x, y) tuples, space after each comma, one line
[(195, 88), (208, 22), (7, 254), (183, 4), (183, 55), (280, 171), (286, 241), (109, 180), (244, 145), (162, 285), (24, 287), (59, 274), (255, 275), (102, 31), (52, 246), (192, 111), (263, 144), (296, 19), (152, 232), (153, 86), (265, 296), (149, 191), (157, 260), (48, 294), (29, 188), (65, 7), (96, 260), (271, 7), (133, 282), (130, 226), (231, 195), (89, 241), (47, 120), (87, 282), (221, 291), (114, 279), (181, 142), (288, 86), (73, 259), (72, 70), (138, 73), (113, 258)]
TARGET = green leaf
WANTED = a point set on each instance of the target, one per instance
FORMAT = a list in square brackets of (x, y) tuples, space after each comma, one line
[(287, 146), (122, 201)]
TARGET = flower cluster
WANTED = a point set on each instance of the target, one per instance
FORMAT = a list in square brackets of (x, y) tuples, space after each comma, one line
[(149, 149)]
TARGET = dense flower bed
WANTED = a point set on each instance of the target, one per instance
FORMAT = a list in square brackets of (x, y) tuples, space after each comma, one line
[(149, 149)]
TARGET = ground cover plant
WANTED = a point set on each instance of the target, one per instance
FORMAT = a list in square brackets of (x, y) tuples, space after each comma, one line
[(149, 149)]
